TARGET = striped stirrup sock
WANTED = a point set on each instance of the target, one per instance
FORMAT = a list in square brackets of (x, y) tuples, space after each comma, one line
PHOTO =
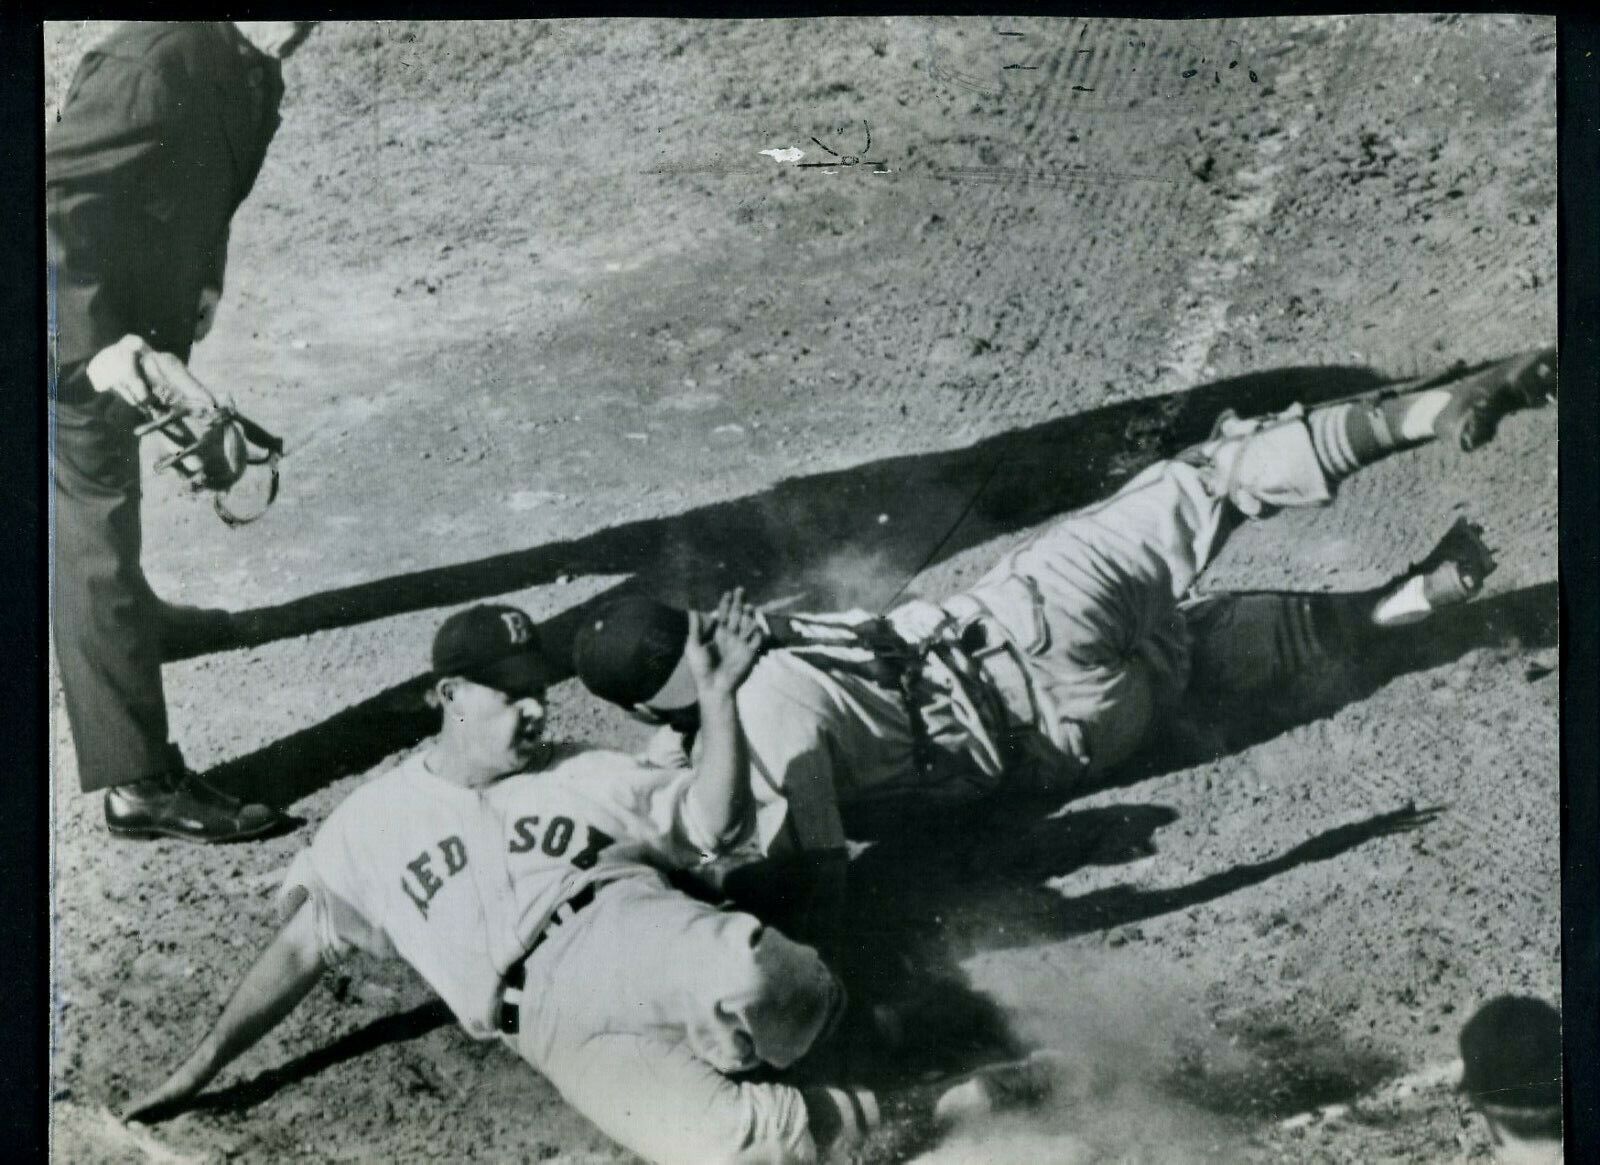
[(1357, 433)]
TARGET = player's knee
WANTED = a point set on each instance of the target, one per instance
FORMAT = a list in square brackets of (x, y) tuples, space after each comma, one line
[(1268, 467), (795, 999)]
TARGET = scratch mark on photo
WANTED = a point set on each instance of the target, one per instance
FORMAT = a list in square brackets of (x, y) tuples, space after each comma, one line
[(1004, 175)]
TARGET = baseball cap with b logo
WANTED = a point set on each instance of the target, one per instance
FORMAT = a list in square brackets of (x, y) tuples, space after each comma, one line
[(494, 645)]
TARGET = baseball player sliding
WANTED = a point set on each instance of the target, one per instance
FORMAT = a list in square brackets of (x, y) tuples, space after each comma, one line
[(526, 883), (1056, 665)]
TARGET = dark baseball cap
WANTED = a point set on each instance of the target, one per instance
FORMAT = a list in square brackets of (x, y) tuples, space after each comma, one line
[(628, 650), (494, 645)]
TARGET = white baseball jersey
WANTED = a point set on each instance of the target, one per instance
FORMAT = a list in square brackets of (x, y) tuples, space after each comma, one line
[(1095, 604), (1092, 611), (822, 734), (639, 1005), (458, 882)]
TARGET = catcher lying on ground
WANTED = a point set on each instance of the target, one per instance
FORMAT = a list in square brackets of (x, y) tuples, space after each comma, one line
[(1056, 666), (527, 884)]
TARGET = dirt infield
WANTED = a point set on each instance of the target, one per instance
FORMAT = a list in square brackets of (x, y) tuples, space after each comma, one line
[(537, 316)]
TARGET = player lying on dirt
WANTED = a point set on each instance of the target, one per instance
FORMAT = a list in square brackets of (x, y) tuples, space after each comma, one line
[(1058, 663), (526, 883)]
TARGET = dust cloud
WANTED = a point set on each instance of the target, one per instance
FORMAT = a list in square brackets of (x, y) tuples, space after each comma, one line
[(1113, 1030)]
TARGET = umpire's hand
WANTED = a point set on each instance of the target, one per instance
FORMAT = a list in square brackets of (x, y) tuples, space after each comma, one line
[(116, 369), (205, 314)]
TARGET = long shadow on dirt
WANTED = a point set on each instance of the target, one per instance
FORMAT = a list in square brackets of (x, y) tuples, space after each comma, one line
[(820, 534), (785, 534)]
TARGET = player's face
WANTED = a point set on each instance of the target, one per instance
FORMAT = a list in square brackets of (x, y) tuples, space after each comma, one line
[(504, 731)]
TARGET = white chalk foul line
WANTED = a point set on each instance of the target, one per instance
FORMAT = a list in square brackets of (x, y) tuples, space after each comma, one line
[(1210, 284), (1204, 313)]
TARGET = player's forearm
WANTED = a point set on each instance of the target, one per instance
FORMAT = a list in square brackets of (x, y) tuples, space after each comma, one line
[(278, 980), (721, 789), (271, 990)]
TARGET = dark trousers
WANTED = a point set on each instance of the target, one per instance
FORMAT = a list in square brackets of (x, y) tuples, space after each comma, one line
[(104, 613)]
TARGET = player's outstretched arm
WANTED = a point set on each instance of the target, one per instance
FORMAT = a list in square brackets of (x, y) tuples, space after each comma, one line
[(722, 649), (280, 979)]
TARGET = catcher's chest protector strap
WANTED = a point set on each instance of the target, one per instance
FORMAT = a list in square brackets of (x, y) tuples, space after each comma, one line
[(894, 664)]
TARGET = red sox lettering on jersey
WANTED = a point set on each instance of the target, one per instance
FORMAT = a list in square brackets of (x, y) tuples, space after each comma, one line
[(641, 1003), (554, 840), (459, 881)]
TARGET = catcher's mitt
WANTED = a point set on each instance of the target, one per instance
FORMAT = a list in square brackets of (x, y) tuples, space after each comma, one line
[(211, 441)]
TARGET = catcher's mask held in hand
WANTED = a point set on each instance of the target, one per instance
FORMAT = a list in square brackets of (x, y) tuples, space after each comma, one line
[(212, 441)]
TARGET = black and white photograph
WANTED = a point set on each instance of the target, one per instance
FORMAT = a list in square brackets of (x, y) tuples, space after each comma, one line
[(943, 589)]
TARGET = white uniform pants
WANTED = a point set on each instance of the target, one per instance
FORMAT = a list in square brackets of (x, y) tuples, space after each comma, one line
[(638, 1007), (1094, 603)]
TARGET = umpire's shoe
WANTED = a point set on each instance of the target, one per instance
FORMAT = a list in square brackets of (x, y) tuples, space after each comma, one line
[(179, 804), (1478, 402)]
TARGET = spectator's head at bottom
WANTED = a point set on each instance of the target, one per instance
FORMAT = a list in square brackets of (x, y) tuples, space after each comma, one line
[(1511, 1074)]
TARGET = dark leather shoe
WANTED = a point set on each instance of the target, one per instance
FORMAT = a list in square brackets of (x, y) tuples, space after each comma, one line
[(181, 805), (1455, 570)]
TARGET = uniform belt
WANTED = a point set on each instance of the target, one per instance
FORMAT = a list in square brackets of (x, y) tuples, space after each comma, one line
[(1010, 682), (986, 643), (1032, 717), (517, 973)]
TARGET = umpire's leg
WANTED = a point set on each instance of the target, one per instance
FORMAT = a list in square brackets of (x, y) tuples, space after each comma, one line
[(106, 638)]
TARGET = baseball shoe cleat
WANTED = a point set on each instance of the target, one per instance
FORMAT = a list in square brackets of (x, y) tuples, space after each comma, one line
[(1016, 1086), (1454, 571), (1480, 401), (1452, 574), (180, 805)]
